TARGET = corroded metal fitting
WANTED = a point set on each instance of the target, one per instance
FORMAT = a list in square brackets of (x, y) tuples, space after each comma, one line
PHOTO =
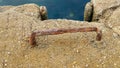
[(32, 40)]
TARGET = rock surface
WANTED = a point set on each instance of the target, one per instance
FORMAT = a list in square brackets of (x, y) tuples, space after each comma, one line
[(102, 7), (107, 12), (70, 50), (104, 11), (88, 12)]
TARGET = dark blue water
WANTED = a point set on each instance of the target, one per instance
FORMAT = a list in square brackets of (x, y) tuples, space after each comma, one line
[(67, 9)]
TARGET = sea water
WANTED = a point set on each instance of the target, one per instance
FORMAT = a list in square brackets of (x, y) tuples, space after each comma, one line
[(62, 9)]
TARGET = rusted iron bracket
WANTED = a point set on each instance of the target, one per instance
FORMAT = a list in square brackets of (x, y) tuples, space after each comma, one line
[(32, 40)]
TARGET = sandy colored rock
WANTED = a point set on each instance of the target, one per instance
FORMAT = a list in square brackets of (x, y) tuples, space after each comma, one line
[(88, 12), (31, 10), (70, 50), (112, 20), (5, 8), (103, 6), (117, 29), (105, 11)]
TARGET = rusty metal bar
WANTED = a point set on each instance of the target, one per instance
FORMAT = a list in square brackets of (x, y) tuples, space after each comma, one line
[(32, 39)]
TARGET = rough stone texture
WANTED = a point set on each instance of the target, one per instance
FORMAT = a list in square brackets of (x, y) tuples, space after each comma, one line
[(70, 50), (104, 6), (4, 8), (27, 9), (117, 29), (112, 20), (88, 12), (107, 12)]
